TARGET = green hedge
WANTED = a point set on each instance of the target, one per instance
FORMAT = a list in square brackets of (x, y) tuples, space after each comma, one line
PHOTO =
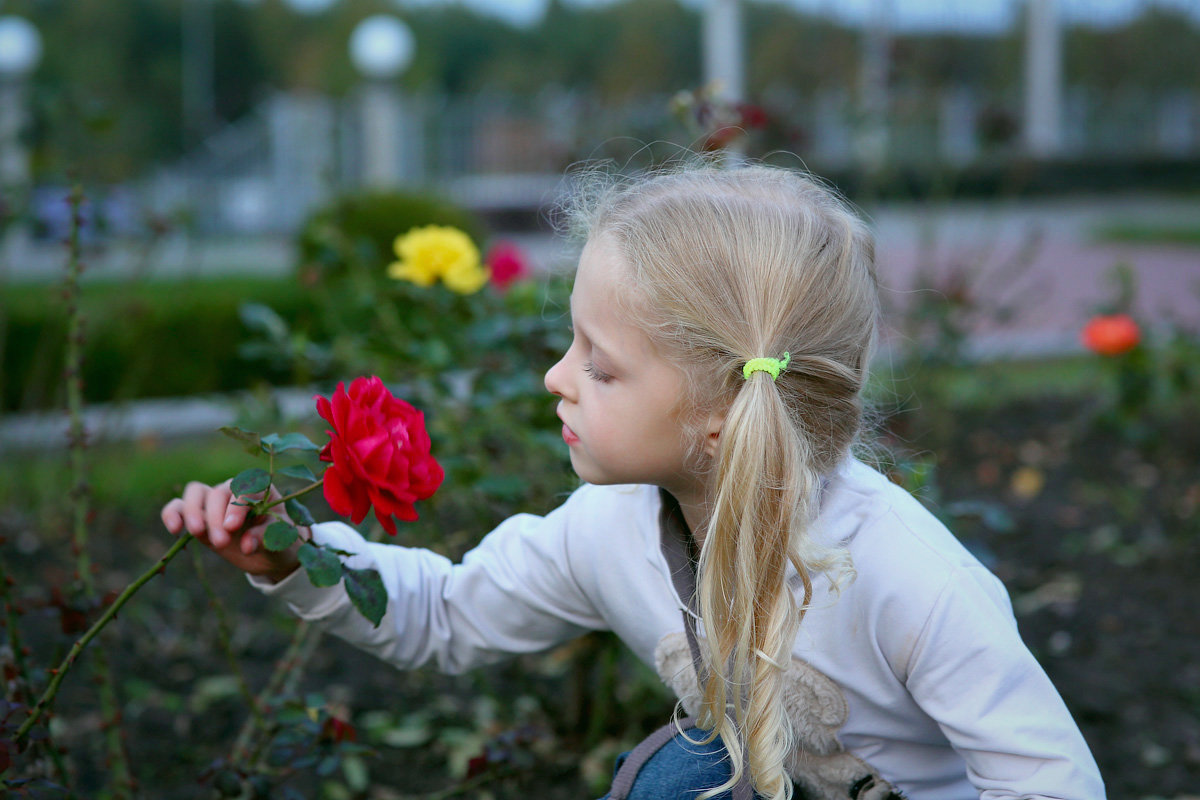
[(1020, 177), (145, 340)]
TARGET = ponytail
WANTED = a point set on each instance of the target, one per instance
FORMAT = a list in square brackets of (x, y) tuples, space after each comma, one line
[(767, 492)]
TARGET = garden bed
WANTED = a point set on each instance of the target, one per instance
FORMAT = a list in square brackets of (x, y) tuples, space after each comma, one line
[(1096, 536)]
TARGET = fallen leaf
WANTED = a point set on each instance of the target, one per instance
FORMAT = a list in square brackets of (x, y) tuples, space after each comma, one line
[(1027, 482)]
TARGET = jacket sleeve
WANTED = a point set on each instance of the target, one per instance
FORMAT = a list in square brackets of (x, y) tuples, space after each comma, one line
[(514, 593), (971, 673)]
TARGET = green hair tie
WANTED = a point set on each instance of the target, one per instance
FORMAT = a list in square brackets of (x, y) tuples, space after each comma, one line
[(771, 365)]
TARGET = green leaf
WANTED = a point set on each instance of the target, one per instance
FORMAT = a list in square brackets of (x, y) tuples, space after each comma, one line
[(251, 481), (299, 514), (355, 771), (298, 471), (322, 566), (250, 440), (366, 591), (292, 441), (279, 536)]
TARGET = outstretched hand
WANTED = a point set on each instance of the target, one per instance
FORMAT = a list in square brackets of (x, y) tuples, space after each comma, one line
[(210, 514)]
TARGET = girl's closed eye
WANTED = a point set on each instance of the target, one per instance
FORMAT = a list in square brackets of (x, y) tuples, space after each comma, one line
[(595, 373)]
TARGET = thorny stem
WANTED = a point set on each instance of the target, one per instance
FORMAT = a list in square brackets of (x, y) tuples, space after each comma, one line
[(14, 636), (224, 635), (77, 442), (289, 666), (58, 674)]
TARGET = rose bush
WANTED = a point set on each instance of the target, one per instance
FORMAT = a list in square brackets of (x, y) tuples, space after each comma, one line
[(379, 454)]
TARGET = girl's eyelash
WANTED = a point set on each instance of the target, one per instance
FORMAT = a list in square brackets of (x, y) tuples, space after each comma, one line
[(595, 374)]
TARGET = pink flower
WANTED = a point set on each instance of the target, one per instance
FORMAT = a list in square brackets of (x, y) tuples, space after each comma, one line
[(379, 454), (507, 263)]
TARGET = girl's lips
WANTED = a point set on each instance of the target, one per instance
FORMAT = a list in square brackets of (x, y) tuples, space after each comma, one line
[(569, 435)]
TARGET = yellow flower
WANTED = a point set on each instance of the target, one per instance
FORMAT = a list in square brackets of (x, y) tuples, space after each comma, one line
[(466, 279), (435, 252)]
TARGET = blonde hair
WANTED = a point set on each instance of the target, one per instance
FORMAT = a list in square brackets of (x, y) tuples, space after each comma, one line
[(726, 265)]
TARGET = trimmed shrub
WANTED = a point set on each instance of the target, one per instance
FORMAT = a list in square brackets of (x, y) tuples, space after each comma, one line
[(151, 340)]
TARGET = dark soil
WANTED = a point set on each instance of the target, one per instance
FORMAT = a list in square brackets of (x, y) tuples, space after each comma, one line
[(1095, 535)]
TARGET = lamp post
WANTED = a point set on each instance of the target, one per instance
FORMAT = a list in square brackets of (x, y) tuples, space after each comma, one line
[(872, 139), (724, 61), (1043, 79), (381, 48), (20, 51)]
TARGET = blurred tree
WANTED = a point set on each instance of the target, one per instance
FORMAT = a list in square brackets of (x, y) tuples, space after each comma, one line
[(108, 91), (797, 51), (1156, 51)]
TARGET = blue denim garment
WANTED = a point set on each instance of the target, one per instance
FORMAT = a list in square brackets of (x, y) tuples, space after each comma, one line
[(681, 770)]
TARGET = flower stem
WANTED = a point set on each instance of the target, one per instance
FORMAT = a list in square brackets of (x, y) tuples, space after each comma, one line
[(224, 632), (80, 495), (262, 506), (290, 666), (108, 616)]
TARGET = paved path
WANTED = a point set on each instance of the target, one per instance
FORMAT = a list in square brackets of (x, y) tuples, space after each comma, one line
[(1043, 259), (1039, 257)]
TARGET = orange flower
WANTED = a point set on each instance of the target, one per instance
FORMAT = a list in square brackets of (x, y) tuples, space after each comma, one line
[(1111, 335)]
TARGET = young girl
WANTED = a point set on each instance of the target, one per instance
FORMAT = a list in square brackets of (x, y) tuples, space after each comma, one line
[(837, 635)]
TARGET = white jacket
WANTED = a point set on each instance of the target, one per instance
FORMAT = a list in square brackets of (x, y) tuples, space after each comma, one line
[(938, 694)]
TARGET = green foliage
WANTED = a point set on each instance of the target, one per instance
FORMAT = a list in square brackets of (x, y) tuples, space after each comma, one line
[(322, 566), (367, 593), (279, 536), (360, 229), (251, 481)]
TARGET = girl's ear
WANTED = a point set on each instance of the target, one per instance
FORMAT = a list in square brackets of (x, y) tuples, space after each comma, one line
[(712, 433)]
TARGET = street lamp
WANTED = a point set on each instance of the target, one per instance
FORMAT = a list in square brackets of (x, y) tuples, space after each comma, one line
[(20, 51), (381, 48)]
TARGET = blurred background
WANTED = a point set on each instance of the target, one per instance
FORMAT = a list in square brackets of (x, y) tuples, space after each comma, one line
[(206, 132), (240, 169), (240, 117)]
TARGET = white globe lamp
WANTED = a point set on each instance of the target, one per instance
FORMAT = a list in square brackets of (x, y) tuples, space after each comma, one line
[(20, 51), (20, 47), (382, 47)]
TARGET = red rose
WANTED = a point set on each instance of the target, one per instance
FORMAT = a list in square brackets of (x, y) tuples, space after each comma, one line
[(507, 264), (753, 116), (1111, 335), (336, 730), (379, 451)]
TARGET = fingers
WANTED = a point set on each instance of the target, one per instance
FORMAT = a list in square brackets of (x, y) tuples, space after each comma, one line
[(221, 518), (192, 509), (212, 513), (172, 515)]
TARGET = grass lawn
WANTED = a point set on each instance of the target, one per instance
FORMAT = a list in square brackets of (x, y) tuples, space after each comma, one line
[(1149, 233)]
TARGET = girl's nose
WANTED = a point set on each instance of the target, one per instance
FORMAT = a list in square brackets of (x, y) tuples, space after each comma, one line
[(555, 378)]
